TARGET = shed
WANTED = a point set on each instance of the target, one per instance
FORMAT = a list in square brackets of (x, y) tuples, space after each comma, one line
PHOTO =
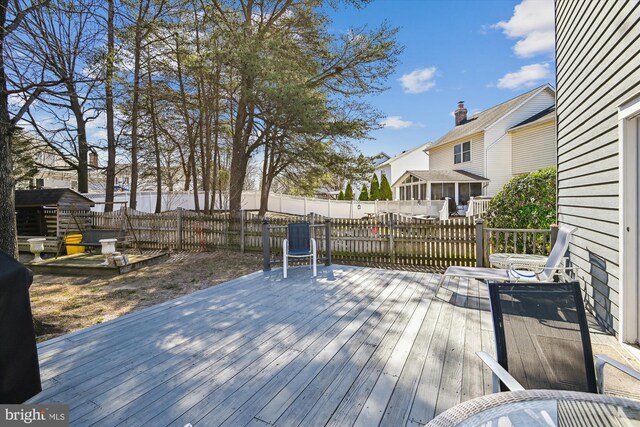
[(47, 212)]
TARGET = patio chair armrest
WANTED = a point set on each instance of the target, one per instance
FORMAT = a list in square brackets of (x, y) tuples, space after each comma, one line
[(602, 360), (524, 266), (499, 373)]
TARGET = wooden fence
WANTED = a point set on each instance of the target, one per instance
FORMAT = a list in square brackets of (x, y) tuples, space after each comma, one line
[(383, 239)]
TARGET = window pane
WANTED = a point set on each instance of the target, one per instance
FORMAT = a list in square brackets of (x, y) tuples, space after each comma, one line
[(436, 191), (466, 146), (423, 191), (476, 189), (466, 156), (457, 158), (416, 196), (457, 148), (463, 193), (401, 193), (449, 190)]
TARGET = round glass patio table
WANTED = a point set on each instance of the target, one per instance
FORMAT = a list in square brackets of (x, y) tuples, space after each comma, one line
[(500, 260), (549, 408)]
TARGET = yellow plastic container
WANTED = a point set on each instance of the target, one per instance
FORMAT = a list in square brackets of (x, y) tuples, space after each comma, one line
[(74, 239)]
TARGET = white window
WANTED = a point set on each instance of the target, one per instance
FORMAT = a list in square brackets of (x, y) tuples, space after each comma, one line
[(462, 152)]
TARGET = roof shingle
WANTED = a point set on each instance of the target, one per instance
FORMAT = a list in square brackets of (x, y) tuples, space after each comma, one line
[(484, 119)]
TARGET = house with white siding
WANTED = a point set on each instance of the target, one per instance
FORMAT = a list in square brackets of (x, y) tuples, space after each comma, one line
[(483, 152), (394, 167), (598, 114)]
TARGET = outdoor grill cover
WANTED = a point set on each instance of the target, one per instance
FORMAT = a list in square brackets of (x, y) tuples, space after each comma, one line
[(19, 370)]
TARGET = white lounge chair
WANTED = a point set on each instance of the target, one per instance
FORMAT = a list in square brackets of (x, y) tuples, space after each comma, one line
[(554, 266)]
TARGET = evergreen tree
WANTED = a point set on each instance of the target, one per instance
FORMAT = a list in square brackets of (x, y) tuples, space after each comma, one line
[(341, 195), (375, 188), (385, 189), (348, 193), (364, 194)]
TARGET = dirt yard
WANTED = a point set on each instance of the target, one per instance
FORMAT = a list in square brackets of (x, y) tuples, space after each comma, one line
[(63, 304)]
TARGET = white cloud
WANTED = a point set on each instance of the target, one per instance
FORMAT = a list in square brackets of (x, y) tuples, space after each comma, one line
[(533, 23), (420, 80), (526, 76), (396, 122), (97, 128)]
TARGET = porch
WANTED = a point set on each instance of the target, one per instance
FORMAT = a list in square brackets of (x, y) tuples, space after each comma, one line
[(355, 346)]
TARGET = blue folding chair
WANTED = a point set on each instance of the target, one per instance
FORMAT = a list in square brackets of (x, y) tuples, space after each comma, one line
[(299, 244)]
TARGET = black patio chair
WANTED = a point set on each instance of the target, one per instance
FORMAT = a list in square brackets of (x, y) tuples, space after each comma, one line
[(542, 339), (299, 244)]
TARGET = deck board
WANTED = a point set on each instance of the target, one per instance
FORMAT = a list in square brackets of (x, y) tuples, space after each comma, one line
[(355, 346)]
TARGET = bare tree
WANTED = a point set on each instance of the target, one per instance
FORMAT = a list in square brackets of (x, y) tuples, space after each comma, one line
[(12, 15), (108, 92), (63, 40)]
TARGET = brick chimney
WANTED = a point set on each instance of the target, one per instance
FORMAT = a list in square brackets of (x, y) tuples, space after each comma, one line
[(93, 159), (461, 113)]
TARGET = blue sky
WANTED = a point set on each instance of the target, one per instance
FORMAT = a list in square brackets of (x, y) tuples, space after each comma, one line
[(481, 52)]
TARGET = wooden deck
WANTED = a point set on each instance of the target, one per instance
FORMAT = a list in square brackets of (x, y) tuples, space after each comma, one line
[(355, 346)]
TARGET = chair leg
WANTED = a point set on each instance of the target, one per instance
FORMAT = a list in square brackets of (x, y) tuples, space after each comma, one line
[(315, 258), (441, 281), (284, 258)]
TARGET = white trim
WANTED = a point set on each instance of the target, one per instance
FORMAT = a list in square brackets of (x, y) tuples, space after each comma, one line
[(462, 152), (545, 87), (628, 220), (406, 152), (535, 123)]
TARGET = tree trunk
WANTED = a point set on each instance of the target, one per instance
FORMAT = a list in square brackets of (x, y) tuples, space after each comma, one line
[(108, 89), (190, 134), (243, 127), (8, 233), (156, 144), (133, 197), (83, 146)]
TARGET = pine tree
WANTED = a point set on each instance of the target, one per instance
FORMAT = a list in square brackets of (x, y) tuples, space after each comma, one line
[(385, 189), (364, 194), (375, 188), (341, 195), (348, 193)]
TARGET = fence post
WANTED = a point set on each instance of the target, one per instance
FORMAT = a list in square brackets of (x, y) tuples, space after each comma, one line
[(242, 219), (479, 242), (179, 229), (327, 241), (392, 246), (266, 254), (554, 234)]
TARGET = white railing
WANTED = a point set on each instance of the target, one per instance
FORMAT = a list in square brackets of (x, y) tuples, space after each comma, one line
[(478, 206), (444, 211), (283, 203)]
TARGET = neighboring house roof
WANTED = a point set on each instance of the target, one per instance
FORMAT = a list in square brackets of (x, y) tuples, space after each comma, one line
[(380, 158), (443, 176), (46, 197), (481, 121), (543, 116), (420, 147)]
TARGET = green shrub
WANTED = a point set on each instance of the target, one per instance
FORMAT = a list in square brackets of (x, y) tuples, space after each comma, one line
[(364, 194), (348, 192), (341, 195), (385, 189), (374, 194), (527, 201)]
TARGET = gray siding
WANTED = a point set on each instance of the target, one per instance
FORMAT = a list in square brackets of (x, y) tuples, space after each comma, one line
[(598, 63)]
